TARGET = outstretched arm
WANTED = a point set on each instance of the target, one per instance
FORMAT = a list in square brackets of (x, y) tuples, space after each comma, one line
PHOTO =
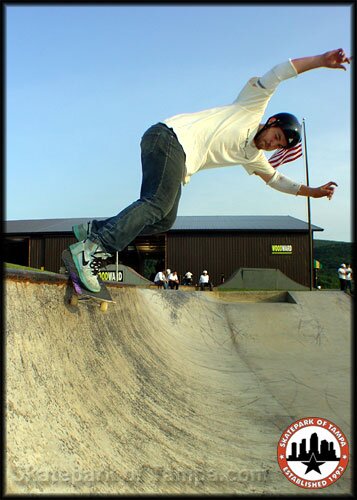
[(332, 59)]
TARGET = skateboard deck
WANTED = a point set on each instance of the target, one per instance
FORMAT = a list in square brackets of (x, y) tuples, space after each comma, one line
[(80, 292)]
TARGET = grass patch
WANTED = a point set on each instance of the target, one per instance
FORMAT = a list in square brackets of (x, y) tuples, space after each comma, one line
[(252, 289), (23, 268)]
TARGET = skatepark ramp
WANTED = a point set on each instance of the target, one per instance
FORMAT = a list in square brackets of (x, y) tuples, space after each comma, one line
[(246, 278), (168, 391)]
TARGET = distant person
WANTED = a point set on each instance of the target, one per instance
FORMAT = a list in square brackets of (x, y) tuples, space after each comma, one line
[(342, 277), (188, 278), (349, 277), (205, 281), (173, 281), (223, 279), (178, 147), (160, 279)]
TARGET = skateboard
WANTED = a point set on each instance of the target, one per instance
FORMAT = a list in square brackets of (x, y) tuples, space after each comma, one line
[(80, 292)]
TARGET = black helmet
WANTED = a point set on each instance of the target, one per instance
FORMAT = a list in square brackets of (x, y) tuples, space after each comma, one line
[(290, 125)]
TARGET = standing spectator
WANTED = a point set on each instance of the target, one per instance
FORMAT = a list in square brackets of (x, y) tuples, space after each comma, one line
[(160, 279), (349, 276), (173, 281), (187, 280), (205, 281), (342, 277)]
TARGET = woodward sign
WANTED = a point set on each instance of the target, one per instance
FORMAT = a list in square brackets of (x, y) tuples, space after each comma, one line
[(281, 249), (111, 276)]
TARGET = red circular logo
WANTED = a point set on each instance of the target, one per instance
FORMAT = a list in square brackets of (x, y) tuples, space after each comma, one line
[(313, 453)]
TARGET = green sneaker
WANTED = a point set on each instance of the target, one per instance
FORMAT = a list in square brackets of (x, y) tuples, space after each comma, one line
[(87, 257), (82, 231)]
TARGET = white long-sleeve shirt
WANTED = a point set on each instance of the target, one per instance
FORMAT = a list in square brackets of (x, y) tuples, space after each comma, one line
[(160, 277), (348, 273), (204, 278), (223, 136), (342, 273)]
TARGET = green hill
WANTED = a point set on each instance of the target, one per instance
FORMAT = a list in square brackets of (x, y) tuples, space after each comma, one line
[(331, 254)]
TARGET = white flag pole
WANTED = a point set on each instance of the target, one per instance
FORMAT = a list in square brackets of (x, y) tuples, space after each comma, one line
[(311, 266), (117, 265)]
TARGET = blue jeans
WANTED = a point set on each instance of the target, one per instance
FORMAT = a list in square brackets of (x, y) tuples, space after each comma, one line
[(163, 166)]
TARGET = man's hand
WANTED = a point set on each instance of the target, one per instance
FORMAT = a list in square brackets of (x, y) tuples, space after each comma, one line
[(319, 192), (334, 59)]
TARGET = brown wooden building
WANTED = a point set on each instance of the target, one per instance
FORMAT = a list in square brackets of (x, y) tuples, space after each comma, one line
[(219, 244)]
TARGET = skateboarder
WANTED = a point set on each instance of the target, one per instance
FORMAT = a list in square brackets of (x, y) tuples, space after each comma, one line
[(173, 150)]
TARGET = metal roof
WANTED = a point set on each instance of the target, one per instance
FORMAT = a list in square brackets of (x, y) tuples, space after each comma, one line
[(182, 223), (241, 223)]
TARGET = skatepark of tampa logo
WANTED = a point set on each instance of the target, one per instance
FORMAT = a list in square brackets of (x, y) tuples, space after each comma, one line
[(313, 453)]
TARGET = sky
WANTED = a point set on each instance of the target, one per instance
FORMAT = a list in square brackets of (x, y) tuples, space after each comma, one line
[(84, 82)]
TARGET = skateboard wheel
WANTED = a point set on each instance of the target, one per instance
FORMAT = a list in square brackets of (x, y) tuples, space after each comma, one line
[(103, 306), (74, 300)]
